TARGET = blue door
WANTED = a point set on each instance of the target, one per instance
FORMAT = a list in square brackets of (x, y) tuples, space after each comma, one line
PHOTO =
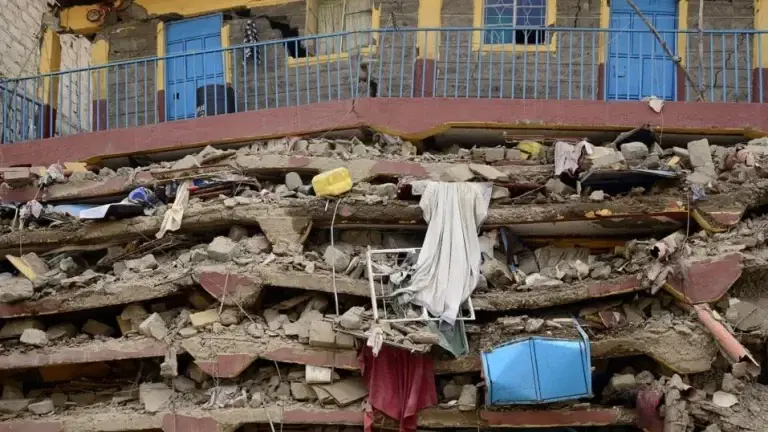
[(637, 64), (185, 74)]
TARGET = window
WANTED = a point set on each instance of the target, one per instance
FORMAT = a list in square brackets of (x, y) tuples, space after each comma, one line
[(511, 13), (334, 16)]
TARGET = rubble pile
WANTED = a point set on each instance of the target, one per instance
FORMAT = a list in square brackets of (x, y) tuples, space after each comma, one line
[(256, 279)]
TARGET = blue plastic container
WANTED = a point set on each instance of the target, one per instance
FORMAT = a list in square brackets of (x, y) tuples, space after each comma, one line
[(538, 370)]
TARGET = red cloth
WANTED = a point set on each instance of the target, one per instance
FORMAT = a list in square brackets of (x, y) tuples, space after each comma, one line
[(400, 384), (647, 406)]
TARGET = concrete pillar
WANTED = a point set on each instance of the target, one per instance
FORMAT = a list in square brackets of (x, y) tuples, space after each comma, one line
[(50, 62), (760, 54), (160, 72), (99, 110), (428, 47)]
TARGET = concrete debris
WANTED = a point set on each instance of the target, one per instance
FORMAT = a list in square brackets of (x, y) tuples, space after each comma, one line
[(15, 289), (221, 249), (593, 241), (154, 326), (34, 337), (154, 396), (45, 406), (468, 398), (61, 331)]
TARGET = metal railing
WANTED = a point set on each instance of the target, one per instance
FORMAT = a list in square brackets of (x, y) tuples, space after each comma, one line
[(542, 63)]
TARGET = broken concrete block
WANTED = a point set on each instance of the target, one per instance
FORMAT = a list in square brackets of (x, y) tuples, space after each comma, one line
[(61, 331), (274, 319), (197, 255), (13, 406), (318, 375), (352, 319), (347, 392), (15, 328), (318, 148), (620, 382), (699, 153), (302, 392), (95, 328), (468, 398), (34, 337), (153, 326), (459, 173), (195, 373), (202, 319), (499, 192), (386, 190), (496, 273), (344, 340), (598, 195), (221, 249), (488, 172), (16, 289), (452, 391), (186, 162), (336, 258), (130, 319), (154, 396), (257, 244), (230, 316), (12, 389), (45, 406), (634, 151), (494, 154), (293, 181), (237, 233), (147, 262), (184, 384), (321, 334), (514, 154), (604, 157), (257, 400), (424, 337), (533, 325)]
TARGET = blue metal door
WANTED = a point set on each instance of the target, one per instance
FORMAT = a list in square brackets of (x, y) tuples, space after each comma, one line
[(637, 64), (185, 74)]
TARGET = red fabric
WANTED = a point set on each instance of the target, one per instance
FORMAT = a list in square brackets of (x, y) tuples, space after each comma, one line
[(648, 417), (400, 384)]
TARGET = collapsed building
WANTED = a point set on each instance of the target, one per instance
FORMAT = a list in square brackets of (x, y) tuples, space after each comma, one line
[(584, 285)]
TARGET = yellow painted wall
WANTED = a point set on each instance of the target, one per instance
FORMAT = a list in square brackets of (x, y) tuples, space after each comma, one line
[(226, 31), (74, 18), (430, 14), (99, 56), (160, 69), (50, 61), (760, 48)]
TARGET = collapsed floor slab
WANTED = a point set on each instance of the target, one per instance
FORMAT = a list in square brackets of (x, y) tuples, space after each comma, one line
[(631, 215), (228, 420)]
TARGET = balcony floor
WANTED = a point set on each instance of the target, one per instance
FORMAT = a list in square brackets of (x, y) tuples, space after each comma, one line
[(413, 119)]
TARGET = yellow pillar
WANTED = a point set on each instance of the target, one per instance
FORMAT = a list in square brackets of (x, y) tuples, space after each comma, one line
[(226, 31), (160, 72), (50, 62), (428, 46), (760, 54), (99, 57)]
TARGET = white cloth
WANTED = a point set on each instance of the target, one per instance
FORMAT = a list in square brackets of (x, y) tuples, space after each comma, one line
[(448, 267)]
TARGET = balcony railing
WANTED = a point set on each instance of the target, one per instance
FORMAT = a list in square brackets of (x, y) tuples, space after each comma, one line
[(551, 63)]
